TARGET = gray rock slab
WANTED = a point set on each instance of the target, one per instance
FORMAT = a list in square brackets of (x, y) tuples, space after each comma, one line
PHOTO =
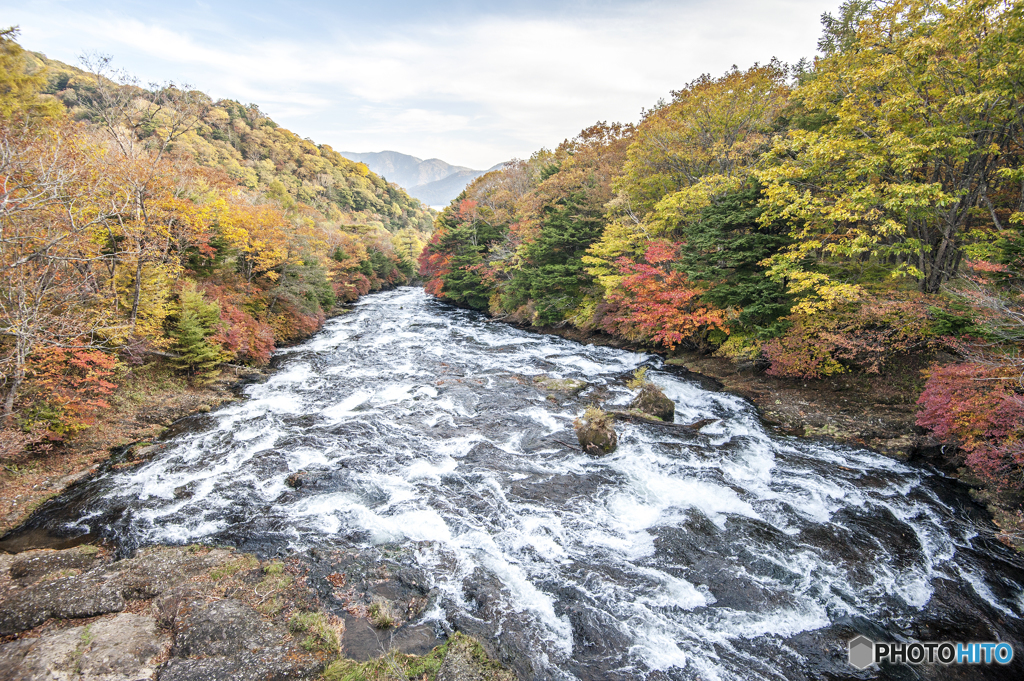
[(53, 657), (34, 564), (224, 628), (125, 647), (86, 595)]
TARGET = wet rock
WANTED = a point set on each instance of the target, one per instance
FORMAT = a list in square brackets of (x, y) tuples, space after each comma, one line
[(184, 491), (697, 425), (503, 633), (467, 661), (595, 432), (568, 386), (653, 402)]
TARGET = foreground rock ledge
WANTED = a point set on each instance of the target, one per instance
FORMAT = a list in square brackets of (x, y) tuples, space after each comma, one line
[(190, 614)]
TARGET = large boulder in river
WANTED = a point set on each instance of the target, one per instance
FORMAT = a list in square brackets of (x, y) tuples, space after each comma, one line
[(652, 401), (595, 432)]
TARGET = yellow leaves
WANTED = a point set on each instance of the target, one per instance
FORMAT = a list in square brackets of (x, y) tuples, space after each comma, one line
[(826, 294), (20, 90), (154, 297), (408, 244), (258, 234), (619, 239), (713, 127), (686, 204)]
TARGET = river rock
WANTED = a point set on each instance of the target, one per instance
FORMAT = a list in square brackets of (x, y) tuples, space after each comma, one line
[(34, 564), (653, 402), (595, 432), (467, 661), (569, 386), (125, 647), (225, 628), (72, 597), (228, 639)]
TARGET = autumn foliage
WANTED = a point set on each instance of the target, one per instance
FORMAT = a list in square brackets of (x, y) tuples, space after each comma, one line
[(852, 214), (156, 223), (70, 386), (661, 305), (982, 411)]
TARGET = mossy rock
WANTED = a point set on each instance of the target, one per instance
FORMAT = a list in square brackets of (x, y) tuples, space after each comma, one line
[(570, 386), (596, 433), (653, 402), (467, 661)]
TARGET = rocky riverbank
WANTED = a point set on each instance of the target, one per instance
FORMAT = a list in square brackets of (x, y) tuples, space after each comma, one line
[(199, 613), (868, 410), (149, 401)]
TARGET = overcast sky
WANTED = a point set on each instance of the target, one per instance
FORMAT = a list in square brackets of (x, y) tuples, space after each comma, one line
[(473, 83)]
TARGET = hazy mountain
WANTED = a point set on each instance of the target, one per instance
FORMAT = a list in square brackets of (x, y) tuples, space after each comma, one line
[(441, 192), (434, 182)]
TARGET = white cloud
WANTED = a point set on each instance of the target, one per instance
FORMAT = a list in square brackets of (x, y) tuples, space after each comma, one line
[(472, 92)]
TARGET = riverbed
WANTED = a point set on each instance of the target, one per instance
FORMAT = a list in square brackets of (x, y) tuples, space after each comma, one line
[(727, 552)]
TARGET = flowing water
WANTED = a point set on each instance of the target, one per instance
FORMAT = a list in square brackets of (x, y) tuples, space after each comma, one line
[(728, 553)]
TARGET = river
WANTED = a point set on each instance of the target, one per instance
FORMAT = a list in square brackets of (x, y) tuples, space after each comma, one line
[(728, 553)]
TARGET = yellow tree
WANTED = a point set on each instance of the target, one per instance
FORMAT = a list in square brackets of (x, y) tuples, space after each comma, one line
[(915, 110), (142, 125), (50, 293), (703, 144), (19, 90)]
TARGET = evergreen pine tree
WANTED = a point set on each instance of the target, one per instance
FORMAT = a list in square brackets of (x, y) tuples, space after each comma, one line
[(725, 248), (553, 274), (197, 321)]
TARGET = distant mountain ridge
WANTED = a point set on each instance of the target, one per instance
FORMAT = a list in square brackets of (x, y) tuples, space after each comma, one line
[(433, 181)]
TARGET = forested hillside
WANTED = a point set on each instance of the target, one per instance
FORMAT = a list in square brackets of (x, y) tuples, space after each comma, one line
[(141, 222), (848, 215)]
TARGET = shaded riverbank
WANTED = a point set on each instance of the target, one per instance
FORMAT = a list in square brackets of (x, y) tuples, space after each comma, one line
[(148, 402), (868, 410)]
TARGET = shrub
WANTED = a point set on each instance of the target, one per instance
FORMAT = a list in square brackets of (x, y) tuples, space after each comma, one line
[(980, 410), (865, 337), (69, 386), (382, 615)]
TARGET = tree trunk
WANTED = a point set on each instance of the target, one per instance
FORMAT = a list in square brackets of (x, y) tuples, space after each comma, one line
[(137, 294), (20, 355)]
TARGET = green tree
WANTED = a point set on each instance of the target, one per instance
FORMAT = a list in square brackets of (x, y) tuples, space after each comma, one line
[(553, 275), (197, 321), (922, 106), (724, 248)]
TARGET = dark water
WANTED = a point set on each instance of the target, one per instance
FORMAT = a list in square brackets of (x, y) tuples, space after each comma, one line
[(728, 553)]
